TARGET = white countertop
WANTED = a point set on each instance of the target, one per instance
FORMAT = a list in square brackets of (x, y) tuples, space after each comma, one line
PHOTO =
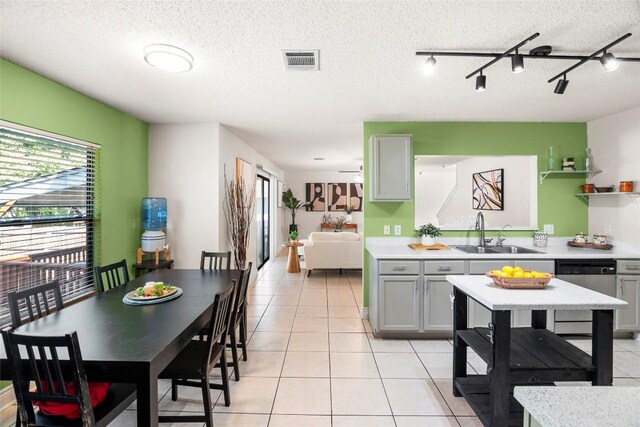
[(397, 248), (583, 406), (559, 295)]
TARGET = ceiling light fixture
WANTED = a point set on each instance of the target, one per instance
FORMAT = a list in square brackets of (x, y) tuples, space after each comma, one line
[(168, 58), (517, 63), (481, 83), (561, 86), (608, 60), (430, 65)]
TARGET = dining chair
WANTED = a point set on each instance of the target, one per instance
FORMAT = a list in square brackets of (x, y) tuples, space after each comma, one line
[(51, 385), (192, 366), (217, 260), (239, 319), (37, 301), (111, 276)]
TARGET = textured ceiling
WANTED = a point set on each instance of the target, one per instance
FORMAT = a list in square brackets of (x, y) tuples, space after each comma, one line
[(368, 67)]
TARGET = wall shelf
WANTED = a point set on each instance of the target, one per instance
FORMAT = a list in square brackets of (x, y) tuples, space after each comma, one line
[(586, 196), (589, 174)]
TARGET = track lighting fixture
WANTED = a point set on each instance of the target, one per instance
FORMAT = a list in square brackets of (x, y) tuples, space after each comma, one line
[(561, 86), (607, 59), (517, 63), (481, 83), (430, 65)]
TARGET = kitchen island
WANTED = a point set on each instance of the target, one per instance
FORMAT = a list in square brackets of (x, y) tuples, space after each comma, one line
[(528, 355)]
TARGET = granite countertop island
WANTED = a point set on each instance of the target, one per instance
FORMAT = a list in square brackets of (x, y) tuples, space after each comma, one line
[(397, 248), (581, 406)]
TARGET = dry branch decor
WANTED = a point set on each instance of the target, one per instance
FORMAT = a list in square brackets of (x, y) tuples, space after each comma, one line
[(238, 208)]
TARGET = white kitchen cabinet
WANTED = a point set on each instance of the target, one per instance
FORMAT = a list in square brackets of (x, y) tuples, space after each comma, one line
[(391, 171), (438, 312), (399, 303), (628, 289)]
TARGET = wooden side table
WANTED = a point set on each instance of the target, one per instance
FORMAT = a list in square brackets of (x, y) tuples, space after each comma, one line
[(293, 264)]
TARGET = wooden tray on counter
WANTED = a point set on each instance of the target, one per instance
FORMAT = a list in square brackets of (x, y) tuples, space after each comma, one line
[(421, 247), (589, 245)]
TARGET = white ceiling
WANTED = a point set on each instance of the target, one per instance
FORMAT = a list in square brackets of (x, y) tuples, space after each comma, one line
[(368, 67)]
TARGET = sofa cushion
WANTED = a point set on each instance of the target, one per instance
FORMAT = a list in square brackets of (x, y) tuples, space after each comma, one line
[(344, 236)]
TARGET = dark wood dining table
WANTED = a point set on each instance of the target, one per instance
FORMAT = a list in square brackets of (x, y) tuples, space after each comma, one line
[(133, 344)]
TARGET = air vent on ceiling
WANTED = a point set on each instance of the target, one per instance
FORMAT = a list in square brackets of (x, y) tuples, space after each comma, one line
[(301, 60)]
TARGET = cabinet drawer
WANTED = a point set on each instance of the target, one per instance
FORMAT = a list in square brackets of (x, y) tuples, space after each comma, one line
[(399, 267), (538, 265), (444, 267), (481, 267), (628, 267)]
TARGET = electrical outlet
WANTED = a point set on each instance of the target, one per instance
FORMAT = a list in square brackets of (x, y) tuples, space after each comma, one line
[(387, 230), (397, 229), (548, 228)]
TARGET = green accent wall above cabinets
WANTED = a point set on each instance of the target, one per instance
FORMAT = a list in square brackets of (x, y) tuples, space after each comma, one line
[(556, 204), (32, 100)]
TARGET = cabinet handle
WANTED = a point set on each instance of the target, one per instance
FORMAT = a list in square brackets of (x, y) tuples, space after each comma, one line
[(400, 268), (621, 289), (444, 268), (633, 267)]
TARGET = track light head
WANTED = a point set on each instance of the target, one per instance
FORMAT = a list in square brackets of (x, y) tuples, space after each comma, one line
[(609, 61), (517, 63), (430, 65), (561, 86), (481, 83)]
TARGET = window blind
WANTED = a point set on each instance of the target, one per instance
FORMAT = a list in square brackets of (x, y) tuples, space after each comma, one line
[(48, 211)]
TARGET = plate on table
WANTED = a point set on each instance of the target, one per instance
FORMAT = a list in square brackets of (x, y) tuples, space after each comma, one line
[(175, 293), (133, 295)]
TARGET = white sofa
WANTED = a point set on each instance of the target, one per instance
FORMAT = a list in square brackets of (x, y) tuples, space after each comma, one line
[(333, 250)]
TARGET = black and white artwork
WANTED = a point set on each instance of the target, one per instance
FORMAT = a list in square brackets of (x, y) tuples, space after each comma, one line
[(337, 195), (356, 195), (488, 190), (315, 196)]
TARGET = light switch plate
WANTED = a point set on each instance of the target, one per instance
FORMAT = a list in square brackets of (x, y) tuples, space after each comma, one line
[(397, 229), (387, 230), (548, 228)]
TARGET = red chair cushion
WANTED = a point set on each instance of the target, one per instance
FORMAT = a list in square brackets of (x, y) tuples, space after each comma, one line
[(97, 392)]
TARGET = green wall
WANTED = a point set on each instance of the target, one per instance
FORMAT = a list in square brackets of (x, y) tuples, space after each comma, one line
[(33, 100), (556, 203)]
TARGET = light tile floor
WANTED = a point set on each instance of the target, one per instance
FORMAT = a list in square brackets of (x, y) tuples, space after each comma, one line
[(314, 362)]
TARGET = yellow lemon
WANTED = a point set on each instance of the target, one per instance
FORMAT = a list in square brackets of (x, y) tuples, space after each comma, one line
[(507, 269), (518, 274), (518, 269), (528, 275), (541, 275), (533, 273), (503, 274), (496, 272)]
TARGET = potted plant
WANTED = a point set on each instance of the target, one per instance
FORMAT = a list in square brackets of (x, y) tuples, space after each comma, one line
[(293, 235), (290, 202), (348, 209), (428, 232), (339, 223)]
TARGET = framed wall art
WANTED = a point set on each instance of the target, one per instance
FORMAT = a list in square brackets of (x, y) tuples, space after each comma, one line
[(487, 190), (315, 197), (356, 195), (337, 196)]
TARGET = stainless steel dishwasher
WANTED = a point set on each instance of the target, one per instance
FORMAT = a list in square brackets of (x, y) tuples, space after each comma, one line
[(596, 274)]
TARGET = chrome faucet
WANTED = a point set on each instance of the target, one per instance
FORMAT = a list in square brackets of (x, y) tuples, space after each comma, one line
[(480, 226), (500, 238)]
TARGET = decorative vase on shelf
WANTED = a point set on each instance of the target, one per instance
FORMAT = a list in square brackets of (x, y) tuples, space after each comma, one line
[(551, 159), (428, 240), (588, 160)]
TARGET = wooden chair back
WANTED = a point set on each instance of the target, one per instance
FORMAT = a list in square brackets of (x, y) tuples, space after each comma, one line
[(111, 276), (44, 363), (37, 302), (240, 300), (216, 260), (219, 324)]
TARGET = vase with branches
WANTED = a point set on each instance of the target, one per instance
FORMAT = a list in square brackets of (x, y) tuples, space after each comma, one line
[(238, 206)]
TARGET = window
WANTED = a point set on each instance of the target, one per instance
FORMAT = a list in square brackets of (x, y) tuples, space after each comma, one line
[(47, 212)]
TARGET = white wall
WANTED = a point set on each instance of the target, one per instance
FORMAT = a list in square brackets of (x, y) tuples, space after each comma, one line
[(187, 165), (183, 167), (310, 221), (615, 146)]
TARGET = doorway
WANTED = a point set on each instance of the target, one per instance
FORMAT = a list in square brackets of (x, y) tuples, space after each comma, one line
[(263, 219)]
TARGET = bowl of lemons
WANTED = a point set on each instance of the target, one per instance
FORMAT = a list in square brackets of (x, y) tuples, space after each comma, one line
[(519, 278)]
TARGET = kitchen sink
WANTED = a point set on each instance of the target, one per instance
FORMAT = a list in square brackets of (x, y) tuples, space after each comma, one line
[(515, 250), (477, 249), (495, 250)]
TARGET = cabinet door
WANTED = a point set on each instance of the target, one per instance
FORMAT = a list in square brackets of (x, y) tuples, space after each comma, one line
[(478, 315), (628, 290), (399, 303), (438, 314), (391, 175)]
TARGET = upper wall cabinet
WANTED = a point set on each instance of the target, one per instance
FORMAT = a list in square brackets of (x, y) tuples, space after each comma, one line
[(391, 172)]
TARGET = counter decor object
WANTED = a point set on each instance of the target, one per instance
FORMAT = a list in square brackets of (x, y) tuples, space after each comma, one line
[(608, 189), (434, 247), (588, 160), (521, 282), (568, 164), (626, 186), (599, 239), (580, 238), (551, 159), (587, 188), (428, 233), (588, 245), (540, 239)]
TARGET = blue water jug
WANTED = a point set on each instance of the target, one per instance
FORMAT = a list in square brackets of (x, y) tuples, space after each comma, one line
[(154, 213)]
